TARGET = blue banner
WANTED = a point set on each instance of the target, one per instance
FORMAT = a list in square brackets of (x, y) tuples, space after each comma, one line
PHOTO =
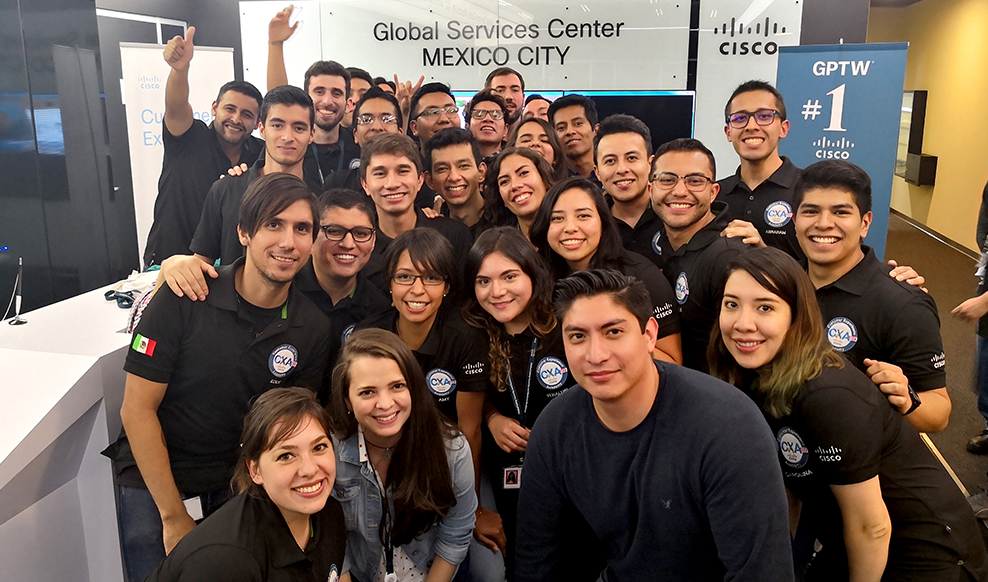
[(844, 103)]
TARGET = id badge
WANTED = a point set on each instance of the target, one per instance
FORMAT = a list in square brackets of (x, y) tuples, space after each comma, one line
[(194, 506), (512, 477)]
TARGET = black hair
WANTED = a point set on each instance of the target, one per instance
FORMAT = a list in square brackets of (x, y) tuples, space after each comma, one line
[(627, 292), (383, 81), (269, 196), (356, 73), (242, 87), (451, 136), (589, 107), (685, 144), (610, 250), (287, 95), (621, 123), (504, 71), (835, 174), (331, 68), (424, 90), (535, 97), (429, 251), (376, 92), (346, 199), (748, 87)]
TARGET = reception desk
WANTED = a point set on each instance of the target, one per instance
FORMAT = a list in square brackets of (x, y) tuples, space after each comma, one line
[(61, 385)]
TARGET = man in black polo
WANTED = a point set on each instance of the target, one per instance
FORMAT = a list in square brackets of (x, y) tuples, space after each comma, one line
[(455, 169), (623, 155), (194, 367), (760, 192), (432, 109), (286, 126), (328, 84), (887, 328), (391, 174), (196, 154), (683, 195), (575, 119)]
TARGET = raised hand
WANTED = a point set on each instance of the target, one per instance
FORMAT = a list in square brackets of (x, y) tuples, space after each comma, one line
[(278, 29), (178, 51)]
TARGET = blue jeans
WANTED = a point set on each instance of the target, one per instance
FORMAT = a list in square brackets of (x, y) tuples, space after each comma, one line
[(981, 357), (485, 565), (141, 540)]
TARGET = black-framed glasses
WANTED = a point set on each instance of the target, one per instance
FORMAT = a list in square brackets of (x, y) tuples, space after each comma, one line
[(336, 233), (369, 118), (668, 181), (408, 279), (739, 119), (449, 110), (496, 114)]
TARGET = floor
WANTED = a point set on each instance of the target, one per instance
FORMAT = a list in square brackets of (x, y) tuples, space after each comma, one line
[(949, 272)]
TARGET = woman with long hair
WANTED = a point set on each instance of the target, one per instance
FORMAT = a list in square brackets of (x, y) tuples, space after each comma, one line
[(283, 525), (404, 474), (514, 187), (537, 134), (861, 480), (574, 231), (512, 303)]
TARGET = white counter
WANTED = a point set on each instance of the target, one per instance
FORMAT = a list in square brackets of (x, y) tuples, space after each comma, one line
[(61, 384)]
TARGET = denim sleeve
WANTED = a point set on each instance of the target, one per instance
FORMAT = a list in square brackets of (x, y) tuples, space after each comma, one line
[(456, 529)]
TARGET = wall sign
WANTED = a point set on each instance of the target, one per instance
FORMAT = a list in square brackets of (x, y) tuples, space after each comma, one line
[(844, 104)]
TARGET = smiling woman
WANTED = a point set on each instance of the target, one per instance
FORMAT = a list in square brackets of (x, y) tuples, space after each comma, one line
[(283, 525), (405, 476)]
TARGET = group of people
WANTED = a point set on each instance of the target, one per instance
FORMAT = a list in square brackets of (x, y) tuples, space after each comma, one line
[(533, 348)]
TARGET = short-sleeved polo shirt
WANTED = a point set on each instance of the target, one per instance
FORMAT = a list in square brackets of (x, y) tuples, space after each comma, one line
[(643, 237), (697, 272), (659, 291), (215, 362), (454, 356), (769, 206), (871, 315), (191, 163), (248, 540)]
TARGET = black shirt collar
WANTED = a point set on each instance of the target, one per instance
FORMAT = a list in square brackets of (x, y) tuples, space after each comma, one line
[(711, 232), (785, 176), (223, 292), (857, 281)]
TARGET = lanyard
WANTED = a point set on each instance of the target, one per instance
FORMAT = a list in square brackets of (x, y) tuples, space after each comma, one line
[(387, 526), (522, 411)]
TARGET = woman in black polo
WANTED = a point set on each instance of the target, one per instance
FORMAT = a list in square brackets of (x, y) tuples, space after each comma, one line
[(868, 489), (283, 525), (512, 303), (574, 231)]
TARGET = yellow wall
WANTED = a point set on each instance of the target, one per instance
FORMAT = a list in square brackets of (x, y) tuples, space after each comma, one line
[(948, 56)]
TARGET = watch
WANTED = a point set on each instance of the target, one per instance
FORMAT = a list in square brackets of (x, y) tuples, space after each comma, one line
[(914, 398)]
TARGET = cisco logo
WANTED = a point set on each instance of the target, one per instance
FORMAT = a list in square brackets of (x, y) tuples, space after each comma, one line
[(152, 82), (738, 30)]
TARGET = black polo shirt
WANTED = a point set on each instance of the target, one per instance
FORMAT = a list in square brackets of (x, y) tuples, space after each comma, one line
[(322, 161), (871, 315), (769, 206), (215, 361), (216, 236), (659, 290), (476, 229), (697, 272), (191, 163), (455, 232), (842, 431), (454, 355), (643, 237), (248, 540), (349, 178), (365, 301)]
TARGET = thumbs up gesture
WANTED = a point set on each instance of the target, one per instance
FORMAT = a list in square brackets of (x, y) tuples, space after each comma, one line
[(178, 51)]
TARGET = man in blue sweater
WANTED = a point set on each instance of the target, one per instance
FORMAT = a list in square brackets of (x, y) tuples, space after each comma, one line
[(652, 471)]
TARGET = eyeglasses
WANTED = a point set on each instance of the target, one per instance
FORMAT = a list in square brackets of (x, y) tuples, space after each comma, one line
[(336, 233), (668, 181), (369, 118), (408, 279), (449, 110), (739, 120), (496, 114)]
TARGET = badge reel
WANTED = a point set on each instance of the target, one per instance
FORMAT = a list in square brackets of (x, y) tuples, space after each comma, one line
[(391, 577)]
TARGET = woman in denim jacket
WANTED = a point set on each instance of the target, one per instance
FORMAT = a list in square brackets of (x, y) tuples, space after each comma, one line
[(396, 451)]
